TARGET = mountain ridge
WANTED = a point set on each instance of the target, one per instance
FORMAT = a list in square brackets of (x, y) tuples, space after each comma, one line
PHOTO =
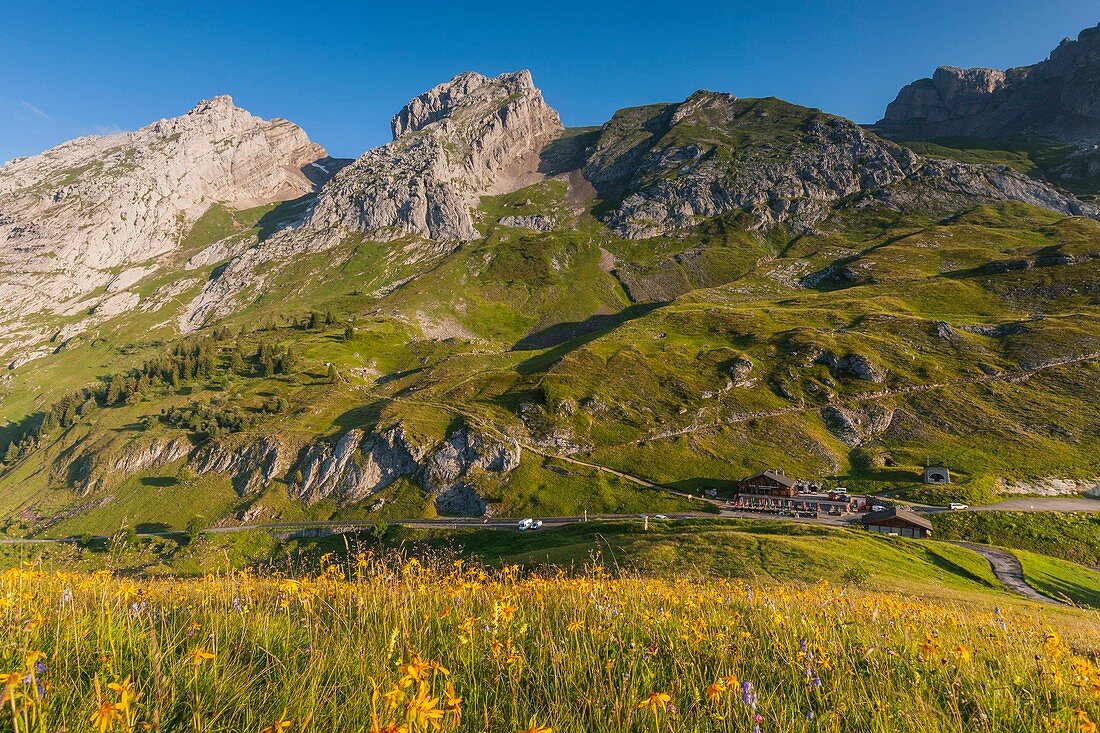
[(1054, 98), (386, 341)]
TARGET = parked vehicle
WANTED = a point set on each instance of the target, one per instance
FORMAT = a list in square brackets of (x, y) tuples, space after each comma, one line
[(840, 490), (878, 508), (957, 506), (536, 524), (526, 524), (711, 493), (834, 512)]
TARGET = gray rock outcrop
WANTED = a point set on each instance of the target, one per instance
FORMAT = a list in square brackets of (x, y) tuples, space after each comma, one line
[(359, 465), (469, 137), (1057, 98), (672, 166), (252, 466), (851, 365), (856, 427), (74, 216)]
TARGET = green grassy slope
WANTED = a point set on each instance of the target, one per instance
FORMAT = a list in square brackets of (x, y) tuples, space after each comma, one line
[(1069, 536), (1061, 579), (853, 354)]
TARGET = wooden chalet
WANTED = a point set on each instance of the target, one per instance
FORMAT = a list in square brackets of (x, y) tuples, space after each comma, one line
[(772, 482), (901, 522)]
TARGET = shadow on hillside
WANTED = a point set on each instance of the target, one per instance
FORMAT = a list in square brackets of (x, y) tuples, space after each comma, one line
[(363, 416), (562, 338), (1062, 589), (283, 215), (567, 152), (160, 482), (954, 568)]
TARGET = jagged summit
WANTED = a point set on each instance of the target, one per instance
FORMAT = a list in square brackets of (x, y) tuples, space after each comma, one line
[(469, 90), (476, 135), (1057, 98)]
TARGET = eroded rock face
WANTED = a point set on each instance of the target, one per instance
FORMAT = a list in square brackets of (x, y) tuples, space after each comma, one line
[(95, 470), (252, 466), (73, 216), (673, 166), (470, 137), (359, 465), (355, 467), (856, 427), (1058, 97), (449, 470)]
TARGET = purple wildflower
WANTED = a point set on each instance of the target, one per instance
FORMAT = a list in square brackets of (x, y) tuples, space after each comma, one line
[(748, 694)]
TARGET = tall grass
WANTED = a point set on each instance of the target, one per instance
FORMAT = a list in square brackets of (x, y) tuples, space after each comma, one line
[(373, 644)]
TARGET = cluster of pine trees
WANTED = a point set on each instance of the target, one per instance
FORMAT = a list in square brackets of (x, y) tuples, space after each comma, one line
[(193, 358), (274, 359), (207, 421), (61, 414)]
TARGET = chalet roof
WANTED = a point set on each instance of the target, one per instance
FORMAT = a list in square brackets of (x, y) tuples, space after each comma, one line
[(894, 512), (780, 478)]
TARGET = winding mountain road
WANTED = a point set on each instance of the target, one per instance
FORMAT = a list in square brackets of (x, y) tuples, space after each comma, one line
[(1008, 570)]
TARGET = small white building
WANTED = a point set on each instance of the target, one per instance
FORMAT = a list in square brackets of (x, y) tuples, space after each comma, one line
[(936, 475)]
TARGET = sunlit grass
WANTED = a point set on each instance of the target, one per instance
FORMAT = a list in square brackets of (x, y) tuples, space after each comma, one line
[(372, 645)]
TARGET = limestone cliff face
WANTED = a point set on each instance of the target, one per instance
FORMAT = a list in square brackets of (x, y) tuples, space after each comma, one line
[(74, 216), (349, 469), (466, 138), (672, 166), (1058, 98), (358, 465)]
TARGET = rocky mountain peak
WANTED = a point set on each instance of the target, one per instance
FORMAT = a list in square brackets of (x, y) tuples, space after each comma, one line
[(476, 135), (669, 167), (468, 91), (1057, 98), (219, 105), (75, 216), (701, 102)]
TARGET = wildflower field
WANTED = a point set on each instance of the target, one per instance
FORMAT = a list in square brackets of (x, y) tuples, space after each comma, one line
[(371, 643)]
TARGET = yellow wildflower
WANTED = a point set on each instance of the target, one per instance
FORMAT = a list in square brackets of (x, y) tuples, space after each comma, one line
[(199, 655), (655, 701), (280, 725), (714, 691), (104, 716)]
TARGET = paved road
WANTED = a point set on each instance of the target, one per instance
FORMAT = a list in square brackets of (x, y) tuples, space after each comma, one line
[(1028, 504), (1046, 504), (1008, 570)]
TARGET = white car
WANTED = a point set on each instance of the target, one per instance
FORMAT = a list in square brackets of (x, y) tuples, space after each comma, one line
[(878, 508), (536, 524), (659, 516), (526, 524), (957, 506)]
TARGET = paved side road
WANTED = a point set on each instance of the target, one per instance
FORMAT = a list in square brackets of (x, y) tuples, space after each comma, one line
[(1026, 504), (1008, 570)]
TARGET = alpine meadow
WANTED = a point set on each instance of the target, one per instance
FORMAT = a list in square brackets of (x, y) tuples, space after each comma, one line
[(727, 414)]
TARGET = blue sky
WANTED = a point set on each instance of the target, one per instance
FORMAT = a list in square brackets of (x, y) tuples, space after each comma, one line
[(341, 70)]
